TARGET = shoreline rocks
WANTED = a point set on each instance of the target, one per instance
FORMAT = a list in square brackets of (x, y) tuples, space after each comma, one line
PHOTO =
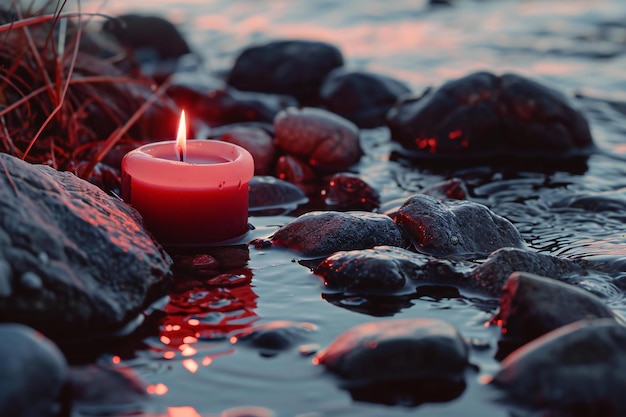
[(577, 369), (77, 262), (482, 114)]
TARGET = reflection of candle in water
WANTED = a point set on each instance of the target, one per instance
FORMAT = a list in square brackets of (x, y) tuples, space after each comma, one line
[(189, 193)]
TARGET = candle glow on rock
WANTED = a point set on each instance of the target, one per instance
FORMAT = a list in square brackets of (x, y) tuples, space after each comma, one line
[(189, 192)]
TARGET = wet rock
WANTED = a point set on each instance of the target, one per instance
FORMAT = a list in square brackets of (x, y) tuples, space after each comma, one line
[(384, 270), (295, 171), (153, 42), (198, 264), (210, 260), (373, 305), (323, 139), (214, 103), (153, 34), (362, 97), (531, 306), (292, 67), (33, 373), (609, 201), (81, 264), (258, 143), (491, 275), (407, 361), (350, 192), (578, 369), (270, 196), (273, 337), (456, 228), (452, 189), (320, 233), (99, 389), (483, 114)]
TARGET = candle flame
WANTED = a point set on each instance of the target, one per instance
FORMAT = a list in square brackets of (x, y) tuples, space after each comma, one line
[(181, 138)]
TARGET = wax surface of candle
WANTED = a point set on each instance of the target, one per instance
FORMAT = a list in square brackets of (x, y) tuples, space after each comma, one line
[(199, 201)]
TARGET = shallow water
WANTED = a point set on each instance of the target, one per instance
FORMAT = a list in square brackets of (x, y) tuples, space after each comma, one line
[(576, 46)]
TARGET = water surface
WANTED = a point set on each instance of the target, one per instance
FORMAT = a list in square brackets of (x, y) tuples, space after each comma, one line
[(576, 46)]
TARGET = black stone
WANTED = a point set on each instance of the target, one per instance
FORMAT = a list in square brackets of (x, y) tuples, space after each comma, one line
[(291, 67), (76, 261), (362, 97)]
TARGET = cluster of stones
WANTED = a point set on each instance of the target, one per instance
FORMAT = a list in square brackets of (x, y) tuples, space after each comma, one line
[(75, 260), (552, 330)]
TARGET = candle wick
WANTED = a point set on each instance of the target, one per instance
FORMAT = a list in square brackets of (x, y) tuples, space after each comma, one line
[(180, 153)]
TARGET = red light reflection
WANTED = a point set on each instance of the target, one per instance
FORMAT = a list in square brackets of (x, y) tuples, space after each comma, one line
[(206, 312)]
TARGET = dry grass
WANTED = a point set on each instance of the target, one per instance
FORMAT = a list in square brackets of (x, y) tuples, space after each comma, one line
[(65, 107)]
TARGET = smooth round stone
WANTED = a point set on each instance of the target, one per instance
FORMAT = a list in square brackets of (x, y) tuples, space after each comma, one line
[(456, 229), (273, 337), (270, 195), (349, 191), (293, 67), (362, 97), (321, 233), (33, 373), (532, 305), (325, 140), (258, 142), (401, 360), (397, 349), (578, 369)]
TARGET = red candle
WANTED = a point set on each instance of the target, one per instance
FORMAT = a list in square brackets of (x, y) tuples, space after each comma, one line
[(189, 193)]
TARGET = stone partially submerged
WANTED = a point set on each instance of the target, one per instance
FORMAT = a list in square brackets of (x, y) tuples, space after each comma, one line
[(74, 261), (33, 373), (578, 369), (321, 233), (386, 270), (491, 275), (407, 361), (485, 115), (457, 229), (531, 306)]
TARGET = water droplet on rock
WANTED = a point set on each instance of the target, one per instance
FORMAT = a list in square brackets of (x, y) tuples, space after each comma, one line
[(31, 281), (44, 258)]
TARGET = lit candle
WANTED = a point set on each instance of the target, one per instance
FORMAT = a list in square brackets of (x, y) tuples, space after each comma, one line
[(189, 193)]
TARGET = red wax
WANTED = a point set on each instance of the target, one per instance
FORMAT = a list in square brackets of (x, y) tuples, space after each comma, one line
[(200, 201)]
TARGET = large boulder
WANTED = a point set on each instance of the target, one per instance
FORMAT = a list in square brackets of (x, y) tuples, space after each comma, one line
[(483, 114), (74, 261)]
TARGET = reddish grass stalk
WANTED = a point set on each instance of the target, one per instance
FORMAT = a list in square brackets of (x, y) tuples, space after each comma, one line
[(117, 135)]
